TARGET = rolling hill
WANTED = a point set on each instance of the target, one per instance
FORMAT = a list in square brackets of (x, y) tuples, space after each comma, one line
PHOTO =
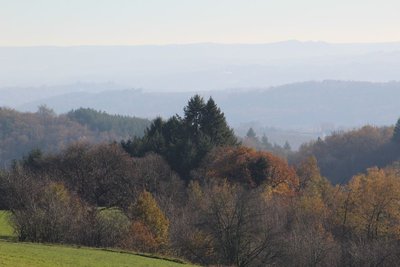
[(42, 255)]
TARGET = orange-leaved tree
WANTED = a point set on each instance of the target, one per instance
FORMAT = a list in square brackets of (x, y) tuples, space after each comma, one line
[(149, 229), (251, 168)]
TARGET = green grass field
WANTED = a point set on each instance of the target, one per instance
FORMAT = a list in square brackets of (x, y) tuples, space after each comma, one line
[(32, 255), (42, 255), (6, 231)]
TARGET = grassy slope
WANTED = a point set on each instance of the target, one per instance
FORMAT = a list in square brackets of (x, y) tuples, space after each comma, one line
[(32, 255)]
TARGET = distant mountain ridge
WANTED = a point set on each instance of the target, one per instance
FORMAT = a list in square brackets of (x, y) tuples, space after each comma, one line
[(308, 109), (205, 66)]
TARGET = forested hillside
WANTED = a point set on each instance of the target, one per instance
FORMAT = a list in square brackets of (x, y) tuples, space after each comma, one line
[(44, 130), (344, 154), (188, 188)]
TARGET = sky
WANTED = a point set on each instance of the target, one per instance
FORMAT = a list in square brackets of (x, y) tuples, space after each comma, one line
[(139, 22)]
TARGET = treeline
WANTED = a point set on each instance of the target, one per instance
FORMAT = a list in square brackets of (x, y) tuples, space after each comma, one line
[(22, 132), (189, 189), (122, 126), (263, 144)]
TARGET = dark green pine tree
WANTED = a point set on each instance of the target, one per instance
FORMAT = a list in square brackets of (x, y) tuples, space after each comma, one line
[(193, 113), (153, 140), (396, 132), (214, 126)]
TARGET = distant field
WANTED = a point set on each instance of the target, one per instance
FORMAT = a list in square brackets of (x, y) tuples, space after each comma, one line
[(40, 255)]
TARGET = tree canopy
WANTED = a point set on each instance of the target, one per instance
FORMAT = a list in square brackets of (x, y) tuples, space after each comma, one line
[(185, 141)]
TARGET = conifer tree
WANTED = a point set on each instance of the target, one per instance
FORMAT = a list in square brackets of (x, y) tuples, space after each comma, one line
[(251, 133), (396, 132), (214, 125), (193, 114)]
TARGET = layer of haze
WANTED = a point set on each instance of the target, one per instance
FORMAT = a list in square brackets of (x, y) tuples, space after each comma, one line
[(131, 22)]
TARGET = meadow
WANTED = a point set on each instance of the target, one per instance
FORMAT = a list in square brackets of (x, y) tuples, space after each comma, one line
[(32, 254)]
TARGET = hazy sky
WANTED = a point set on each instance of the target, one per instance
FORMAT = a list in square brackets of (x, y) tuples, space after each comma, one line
[(129, 22)]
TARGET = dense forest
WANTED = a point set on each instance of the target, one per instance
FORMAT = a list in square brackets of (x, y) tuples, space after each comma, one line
[(345, 154), (189, 188), (44, 130)]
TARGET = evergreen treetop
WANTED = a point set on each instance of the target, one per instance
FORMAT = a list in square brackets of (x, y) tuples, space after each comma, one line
[(251, 133), (396, 132)]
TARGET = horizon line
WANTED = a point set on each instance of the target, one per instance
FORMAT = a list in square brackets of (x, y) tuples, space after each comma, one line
[(202, 43)]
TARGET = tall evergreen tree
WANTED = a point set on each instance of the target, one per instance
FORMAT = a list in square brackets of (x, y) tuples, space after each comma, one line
[(194, 113), (396, 132), (214, 125)]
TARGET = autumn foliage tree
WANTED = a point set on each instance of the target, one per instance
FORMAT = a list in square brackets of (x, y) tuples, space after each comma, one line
[(149, 228), (249, 167), (371, 209), (310, 241), (51, 215), (316, 194)]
